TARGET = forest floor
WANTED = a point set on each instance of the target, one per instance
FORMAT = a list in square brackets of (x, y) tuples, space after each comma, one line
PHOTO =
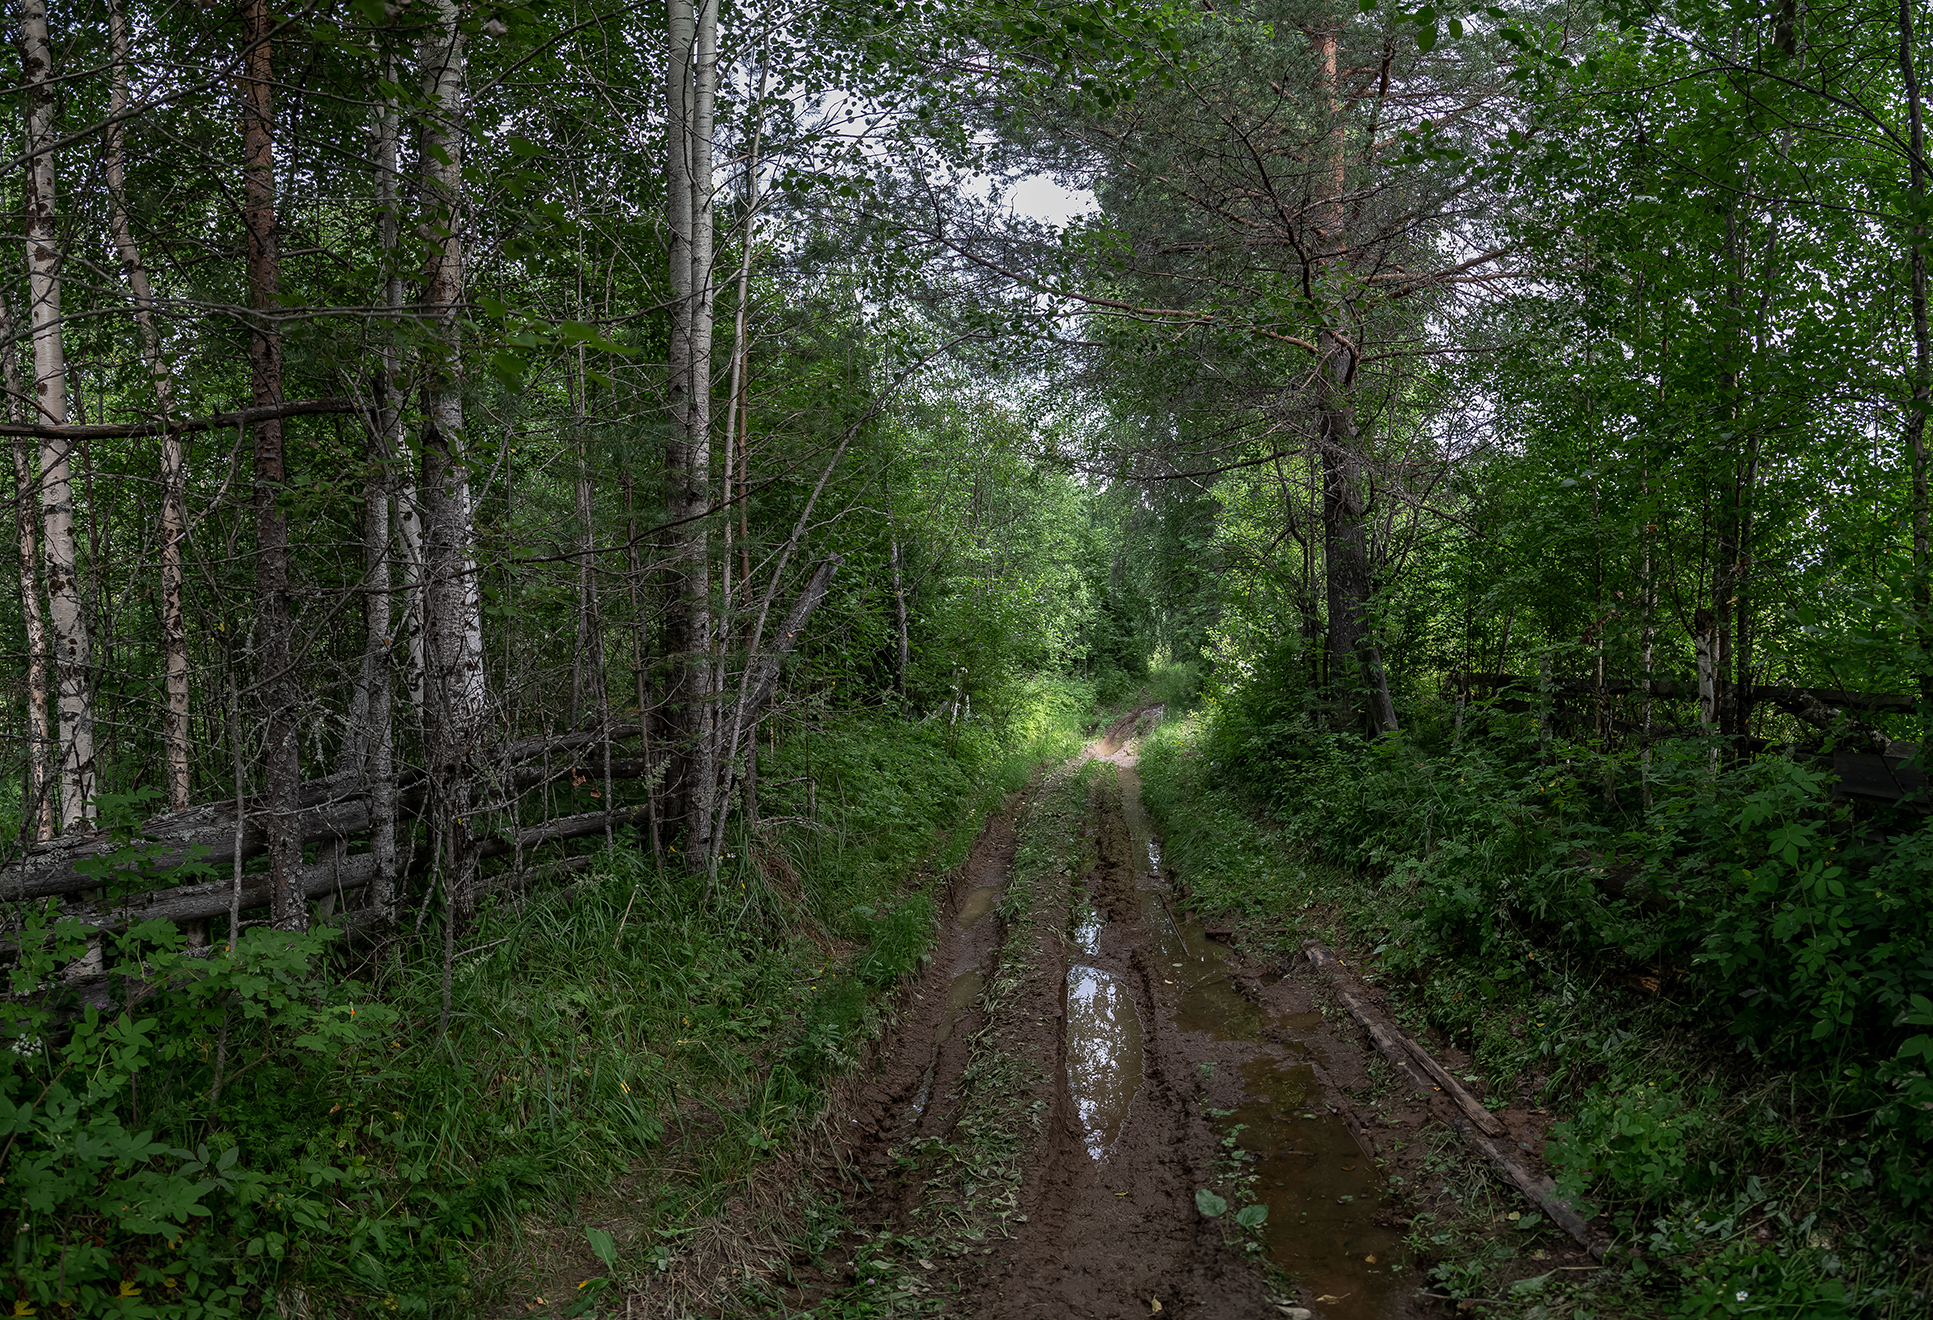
[(1088, 1094)]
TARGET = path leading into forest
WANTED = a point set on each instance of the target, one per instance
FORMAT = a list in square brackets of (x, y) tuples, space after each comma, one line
[(1068, 1076)]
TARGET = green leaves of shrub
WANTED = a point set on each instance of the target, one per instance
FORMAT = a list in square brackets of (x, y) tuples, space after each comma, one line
[(1636, 1138)]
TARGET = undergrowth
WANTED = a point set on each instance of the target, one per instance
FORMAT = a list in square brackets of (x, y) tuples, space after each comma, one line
[(1717, 977), (287, 1127)]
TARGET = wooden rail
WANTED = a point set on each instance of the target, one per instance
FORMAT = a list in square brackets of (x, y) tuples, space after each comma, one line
[(1894, 702)]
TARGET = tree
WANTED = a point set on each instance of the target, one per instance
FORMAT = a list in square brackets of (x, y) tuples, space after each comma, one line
[(66, 614)]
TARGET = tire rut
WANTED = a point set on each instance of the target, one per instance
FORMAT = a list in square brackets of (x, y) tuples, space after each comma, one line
[(989, 1139)]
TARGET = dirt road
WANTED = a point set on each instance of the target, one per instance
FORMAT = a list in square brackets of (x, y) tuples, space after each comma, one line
[(1088, 1089)]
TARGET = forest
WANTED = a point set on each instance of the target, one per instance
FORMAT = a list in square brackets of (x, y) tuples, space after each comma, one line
[(967, 657)]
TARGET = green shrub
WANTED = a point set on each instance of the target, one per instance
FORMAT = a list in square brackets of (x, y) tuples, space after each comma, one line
[(1637, 1138)]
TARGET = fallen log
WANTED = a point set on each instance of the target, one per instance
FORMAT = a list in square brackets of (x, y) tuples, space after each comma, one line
[(1539, 1189), (329, 809), (326, 809), (200, 902), (1477, 1124), (1397, 1046), (562, 828)]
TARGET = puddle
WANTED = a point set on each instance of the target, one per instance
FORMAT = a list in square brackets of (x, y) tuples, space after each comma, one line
[(976, 905), (1322, 1192), (960, 994), (1103, 1054), (1087, 933), (1208, 1002)]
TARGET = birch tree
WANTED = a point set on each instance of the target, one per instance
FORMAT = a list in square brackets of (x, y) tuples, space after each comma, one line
[(66, 611), (37, 786), (453, 605), (174, 515), (691, 81)]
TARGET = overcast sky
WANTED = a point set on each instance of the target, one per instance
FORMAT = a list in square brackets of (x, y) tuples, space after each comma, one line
[(1040, 198)]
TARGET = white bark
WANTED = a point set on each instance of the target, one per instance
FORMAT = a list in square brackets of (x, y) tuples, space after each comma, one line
[(455, 629), (691, 83), (39, 783), (377, 759), (69, 622), (453, 604), (409, 541), (174, 516)]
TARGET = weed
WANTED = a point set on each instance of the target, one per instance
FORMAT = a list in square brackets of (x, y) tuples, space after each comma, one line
[(1716, 998), (270, 1129)]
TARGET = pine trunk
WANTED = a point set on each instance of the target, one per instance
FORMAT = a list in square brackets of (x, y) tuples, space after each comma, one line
[(1355, 661)]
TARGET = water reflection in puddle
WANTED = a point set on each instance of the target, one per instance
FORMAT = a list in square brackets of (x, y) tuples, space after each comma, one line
[(976, 905), (1087, 932), (1103, 1054)]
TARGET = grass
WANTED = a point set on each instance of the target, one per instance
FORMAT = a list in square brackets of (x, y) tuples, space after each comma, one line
[(1733, 1187), (634, 1065)]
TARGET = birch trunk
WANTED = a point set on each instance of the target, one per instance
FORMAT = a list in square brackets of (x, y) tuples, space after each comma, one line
[(385, 447), (174, 515), (278, 698), (691, 81), (1705, 637), (65, 611), (37, 805), (453, 607)]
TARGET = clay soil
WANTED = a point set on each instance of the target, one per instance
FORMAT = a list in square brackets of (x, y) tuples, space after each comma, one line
[(1106, 1221)]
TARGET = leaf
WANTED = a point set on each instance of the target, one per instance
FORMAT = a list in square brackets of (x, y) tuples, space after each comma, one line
[(1211, 1205), (604, 1246), (1252, 1216)]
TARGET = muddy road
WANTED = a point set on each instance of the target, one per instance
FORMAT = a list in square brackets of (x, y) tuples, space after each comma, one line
[(1088, 1094)]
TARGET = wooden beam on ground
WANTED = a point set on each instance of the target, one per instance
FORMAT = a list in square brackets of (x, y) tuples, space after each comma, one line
[(1477, 1124), (330, 809)]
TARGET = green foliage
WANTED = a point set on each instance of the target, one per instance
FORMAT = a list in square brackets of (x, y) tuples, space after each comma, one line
[(352, 1151), (1622, 960), (103, 1204), (1636, 1137)]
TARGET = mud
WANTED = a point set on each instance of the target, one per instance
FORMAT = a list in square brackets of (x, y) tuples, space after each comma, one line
[(1155, 1054)]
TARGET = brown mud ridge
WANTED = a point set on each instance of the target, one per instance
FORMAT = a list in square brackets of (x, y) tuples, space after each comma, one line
[(1147, 1045)]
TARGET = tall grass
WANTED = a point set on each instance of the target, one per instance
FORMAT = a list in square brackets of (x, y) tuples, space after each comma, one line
[(641, 1038)]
